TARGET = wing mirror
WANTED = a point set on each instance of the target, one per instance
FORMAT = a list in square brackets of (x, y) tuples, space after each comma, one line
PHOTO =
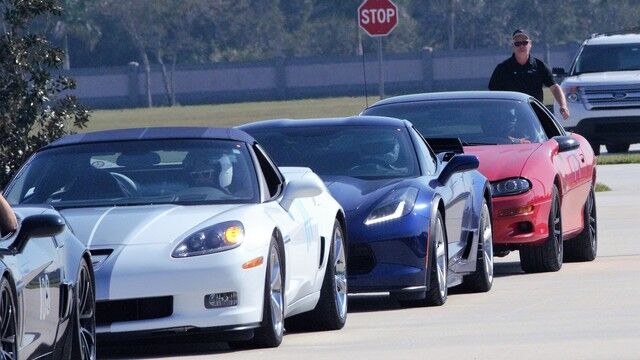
[(559, 72), (35, 226), (300, 188), (458, 163), (566, 143)]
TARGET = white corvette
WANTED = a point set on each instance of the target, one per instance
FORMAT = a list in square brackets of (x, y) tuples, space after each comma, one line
[(195, 230)]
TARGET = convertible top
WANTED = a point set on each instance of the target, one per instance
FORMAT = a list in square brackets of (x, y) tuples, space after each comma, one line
[(153, 133)]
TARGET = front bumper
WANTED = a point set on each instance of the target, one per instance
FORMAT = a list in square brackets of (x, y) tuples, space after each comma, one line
[(511, 228), (602, 126), (148, 271), (388, 256)]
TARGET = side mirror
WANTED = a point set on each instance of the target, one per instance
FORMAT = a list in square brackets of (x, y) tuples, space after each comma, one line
[(566, 143), (458, 163), (300, 188), (559, 72), (35, 226)]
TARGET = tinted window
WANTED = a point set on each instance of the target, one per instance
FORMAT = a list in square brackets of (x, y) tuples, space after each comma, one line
[(138, 173), (599, 58), (547, 122), (426, 155), (474, 121), (358, 151), (271, 174)]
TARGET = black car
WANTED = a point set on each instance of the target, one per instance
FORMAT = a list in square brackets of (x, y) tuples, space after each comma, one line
[(47, 290)]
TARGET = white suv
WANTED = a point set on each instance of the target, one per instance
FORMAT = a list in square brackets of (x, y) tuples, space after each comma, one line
[(603, 91)]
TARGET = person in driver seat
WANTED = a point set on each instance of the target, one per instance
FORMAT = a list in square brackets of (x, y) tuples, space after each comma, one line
[(210, 170), (502, 125), (8, 221)]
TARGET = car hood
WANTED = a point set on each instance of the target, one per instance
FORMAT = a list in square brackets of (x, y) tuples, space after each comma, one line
[(499, 162), (604, 78), (136, 225), (352, 192)]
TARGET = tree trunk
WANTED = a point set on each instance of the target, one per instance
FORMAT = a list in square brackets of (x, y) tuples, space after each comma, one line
[(165, 77), (66, 63), (173, 84), (147, 73), (452, 17)]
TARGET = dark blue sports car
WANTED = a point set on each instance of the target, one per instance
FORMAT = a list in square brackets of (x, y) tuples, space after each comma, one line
[(417, 223)]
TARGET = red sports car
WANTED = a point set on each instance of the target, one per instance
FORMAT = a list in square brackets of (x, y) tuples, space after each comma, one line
[(542, 178)]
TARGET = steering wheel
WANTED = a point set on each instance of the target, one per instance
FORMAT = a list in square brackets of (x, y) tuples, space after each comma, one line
[(127, 185)]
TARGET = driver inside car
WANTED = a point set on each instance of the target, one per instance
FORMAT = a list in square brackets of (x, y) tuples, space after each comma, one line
[(502, 125), (8, 221)]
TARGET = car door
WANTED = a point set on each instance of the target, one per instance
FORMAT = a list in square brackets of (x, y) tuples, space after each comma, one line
[(39, 276), (299, 230), (568, 165)]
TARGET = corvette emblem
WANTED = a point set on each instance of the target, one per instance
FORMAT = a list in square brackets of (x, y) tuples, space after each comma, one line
[(619, 95)]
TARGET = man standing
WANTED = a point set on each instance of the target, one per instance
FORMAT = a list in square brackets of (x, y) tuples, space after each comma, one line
[(525, 73), (8, 222)]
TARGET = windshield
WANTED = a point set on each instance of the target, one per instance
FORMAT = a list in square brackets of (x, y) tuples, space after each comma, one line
[(137, 173), (475, 122), (367, 152), (600, 58)]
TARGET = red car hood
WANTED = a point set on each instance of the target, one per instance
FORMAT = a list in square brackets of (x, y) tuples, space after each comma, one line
[(499, 162)]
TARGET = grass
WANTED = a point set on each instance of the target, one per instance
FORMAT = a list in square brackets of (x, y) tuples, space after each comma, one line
[(632, 158), (600, 187), (226, 115)]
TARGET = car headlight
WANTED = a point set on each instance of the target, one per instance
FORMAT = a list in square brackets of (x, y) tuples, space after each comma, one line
[(571, 93), (398, 203), (212, 239), (512, 186)]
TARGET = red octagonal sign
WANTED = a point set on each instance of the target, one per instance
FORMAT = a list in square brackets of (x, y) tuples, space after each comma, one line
[(378, 17)]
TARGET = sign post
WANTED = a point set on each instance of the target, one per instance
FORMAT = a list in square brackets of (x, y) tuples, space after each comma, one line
[(378, 18)]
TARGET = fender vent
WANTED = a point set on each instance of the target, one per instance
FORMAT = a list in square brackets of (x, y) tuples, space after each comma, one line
[(322, 240)]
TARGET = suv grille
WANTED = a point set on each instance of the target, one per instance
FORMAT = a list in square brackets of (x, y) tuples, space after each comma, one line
[(108, 312), (611, 97)]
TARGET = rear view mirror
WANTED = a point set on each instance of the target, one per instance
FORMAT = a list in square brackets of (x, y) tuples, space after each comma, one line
[(458, 163), (35, 226)]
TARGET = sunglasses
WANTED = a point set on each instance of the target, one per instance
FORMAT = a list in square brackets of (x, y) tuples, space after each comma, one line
[(521, 43)]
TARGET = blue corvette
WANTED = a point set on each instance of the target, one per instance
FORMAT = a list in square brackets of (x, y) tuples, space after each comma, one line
[(417, 223)]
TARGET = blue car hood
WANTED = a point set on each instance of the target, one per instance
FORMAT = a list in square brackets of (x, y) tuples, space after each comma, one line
[(352, 192)]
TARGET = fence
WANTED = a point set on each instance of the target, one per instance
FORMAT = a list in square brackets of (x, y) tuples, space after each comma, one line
[(281, 79)]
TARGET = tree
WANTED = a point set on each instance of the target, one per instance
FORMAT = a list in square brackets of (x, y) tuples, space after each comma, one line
[(35, 108), (76, 21)]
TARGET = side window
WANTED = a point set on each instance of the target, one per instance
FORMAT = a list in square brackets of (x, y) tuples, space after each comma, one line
[(271, 174), (427, 158), (551, 128)]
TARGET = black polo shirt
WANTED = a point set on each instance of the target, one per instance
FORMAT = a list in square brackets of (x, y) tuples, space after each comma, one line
[(529, 78)]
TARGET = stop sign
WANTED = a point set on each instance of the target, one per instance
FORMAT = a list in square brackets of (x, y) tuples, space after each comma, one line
[(378, 17)]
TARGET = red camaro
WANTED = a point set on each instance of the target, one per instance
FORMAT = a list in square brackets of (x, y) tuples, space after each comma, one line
[(542, 178)]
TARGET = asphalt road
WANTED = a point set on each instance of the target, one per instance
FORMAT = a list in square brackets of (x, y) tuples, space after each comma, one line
[(584, 311)]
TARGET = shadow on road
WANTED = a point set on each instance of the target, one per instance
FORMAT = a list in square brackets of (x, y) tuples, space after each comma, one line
[(507, 269), (160, 347)]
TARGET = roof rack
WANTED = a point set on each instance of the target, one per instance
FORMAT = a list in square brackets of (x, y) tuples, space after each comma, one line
[(631, 30)]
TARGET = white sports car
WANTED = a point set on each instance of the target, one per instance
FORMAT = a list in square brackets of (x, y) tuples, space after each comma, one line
[(195, 230)]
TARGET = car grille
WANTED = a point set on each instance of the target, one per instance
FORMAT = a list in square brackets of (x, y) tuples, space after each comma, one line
[(108, 312), (610, 97), (361, 259)]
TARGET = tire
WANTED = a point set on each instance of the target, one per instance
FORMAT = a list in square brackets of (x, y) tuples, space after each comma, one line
[(482, 279), (548, 256), (595, 146), (271, 330), (83, 342), (618, 147), (331, 311), (8, 321), (437, 265), (584, 247)]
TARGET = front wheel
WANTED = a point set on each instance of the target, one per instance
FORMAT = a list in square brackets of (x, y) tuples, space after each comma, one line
[(618, 147), (482, 279), (84, 317), (548, 256), (8, 321)]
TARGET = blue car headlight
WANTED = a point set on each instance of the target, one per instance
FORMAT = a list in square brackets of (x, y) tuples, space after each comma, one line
[(513, 186), (396, 204), (212, 239)]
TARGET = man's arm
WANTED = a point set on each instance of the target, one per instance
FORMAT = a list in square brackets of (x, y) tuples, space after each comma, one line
[(558, 94), (494, 82), (8, 221)]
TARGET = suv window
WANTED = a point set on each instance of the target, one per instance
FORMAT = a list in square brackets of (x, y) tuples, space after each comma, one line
[(601, 58)]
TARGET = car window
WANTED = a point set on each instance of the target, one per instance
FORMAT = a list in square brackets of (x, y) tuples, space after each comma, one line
[(272, 175), (138, 173), (551, 128), (426, 155), (368, 152), (601, 58), (474, 121)]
